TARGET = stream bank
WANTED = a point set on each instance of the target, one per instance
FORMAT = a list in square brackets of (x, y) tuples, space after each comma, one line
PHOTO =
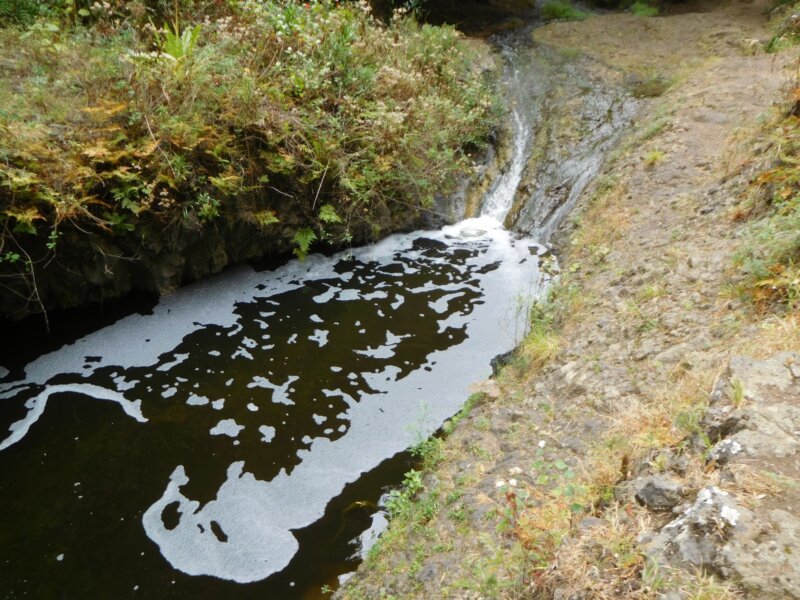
[(586, 468), (141, 155)]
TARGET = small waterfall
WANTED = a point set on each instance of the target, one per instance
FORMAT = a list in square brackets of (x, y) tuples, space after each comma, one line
[(500, 198), (568, 113)]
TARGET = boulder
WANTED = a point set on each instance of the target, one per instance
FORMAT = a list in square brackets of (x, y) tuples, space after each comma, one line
[(657, 492)]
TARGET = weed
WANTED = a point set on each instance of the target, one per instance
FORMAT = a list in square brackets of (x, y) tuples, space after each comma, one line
[(561, 10), (653, 158), (642, 8), (655, 128), (207, 207), (176, 44), (651, 87), (768, 260), (737, 393)]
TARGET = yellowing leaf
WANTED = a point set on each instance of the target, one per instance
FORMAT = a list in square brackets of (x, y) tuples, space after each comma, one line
[(24, 218), (19, 179), (97, 151), (265, 217), (146, 150), (105, 110)]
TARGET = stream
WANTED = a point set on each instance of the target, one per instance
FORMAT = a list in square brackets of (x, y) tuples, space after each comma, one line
[(235, 439)]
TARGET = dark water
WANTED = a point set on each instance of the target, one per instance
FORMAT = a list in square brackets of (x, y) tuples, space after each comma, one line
[(233, 443)]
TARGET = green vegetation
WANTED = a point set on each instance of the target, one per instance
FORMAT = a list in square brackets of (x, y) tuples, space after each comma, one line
[(307, 121), (643, 8), (769, 257), (786, 28), (653, 158), (560, 10)]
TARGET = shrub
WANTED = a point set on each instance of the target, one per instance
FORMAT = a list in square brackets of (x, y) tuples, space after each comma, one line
[(768, 259), (267, 109), (564, 11), (642, 8), (18, 11)]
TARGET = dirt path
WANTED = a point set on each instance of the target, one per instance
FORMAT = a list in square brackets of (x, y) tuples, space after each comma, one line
[(576, 474)]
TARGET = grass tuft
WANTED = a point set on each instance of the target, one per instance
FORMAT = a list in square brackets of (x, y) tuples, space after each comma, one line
[(559, 10), (644, 9)]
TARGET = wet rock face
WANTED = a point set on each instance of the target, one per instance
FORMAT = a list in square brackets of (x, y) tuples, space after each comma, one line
[(158, 258)]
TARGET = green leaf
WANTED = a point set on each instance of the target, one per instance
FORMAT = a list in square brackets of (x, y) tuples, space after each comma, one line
[(303, 238), (560, 465), (227, 184), (10, 257), (24, 219), (328, 214), (266, 217)]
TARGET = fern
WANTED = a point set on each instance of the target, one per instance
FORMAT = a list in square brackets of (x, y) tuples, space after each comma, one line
[(18, 11), (328, 214), (265, 218), (304, 238)]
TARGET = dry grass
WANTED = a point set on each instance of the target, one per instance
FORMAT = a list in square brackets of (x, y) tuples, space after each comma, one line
[(776, 333), (609, 220)]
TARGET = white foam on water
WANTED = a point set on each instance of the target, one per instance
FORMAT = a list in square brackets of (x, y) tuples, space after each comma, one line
[(267, 433), (259, 516), (227, 427), (38, 403)]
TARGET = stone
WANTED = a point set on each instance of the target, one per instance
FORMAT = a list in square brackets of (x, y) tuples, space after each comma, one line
[(674, 354), (721, 421), (695, 537), (501, 360), (646, 348), (657, 492), (428, 573), (767, 380), (589, 523), (724, 451), (766, 559)]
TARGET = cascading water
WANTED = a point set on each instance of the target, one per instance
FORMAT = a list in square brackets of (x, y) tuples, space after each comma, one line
[(500, 198), (243, 416)]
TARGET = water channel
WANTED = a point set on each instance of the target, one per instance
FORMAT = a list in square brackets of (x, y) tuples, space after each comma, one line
[(234, 439)]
